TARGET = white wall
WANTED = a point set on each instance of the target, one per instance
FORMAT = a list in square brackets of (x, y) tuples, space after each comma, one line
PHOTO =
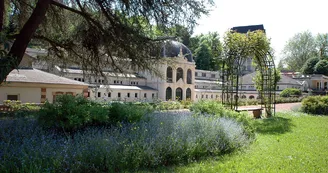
[(50, 91), (124, 95), (26, 95)]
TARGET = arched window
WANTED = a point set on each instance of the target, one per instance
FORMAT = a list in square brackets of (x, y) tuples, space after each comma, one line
[(251, 97), (243, 96), (189, 77), (179, 73), (178, 94), (169, 75), (188, 93), (168, 93)]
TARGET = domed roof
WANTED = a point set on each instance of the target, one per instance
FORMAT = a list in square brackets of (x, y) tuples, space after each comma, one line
[(172, 49)]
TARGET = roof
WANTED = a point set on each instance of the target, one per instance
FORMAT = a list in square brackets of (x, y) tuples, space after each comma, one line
[(37, 76), (127, 87), (173, 48), (245, 29), (248, 79), (113, 74)]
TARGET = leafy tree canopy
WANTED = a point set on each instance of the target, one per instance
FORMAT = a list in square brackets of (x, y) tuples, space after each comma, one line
[(93, 33), (321, 67), (309, 66)]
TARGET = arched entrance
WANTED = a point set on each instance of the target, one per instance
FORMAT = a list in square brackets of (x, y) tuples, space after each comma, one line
[(178, 94), (188, 93), (168, 93)]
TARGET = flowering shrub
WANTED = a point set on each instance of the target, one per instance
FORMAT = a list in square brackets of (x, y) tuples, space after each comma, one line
[(163, 139), (169, 105), (216, 109)]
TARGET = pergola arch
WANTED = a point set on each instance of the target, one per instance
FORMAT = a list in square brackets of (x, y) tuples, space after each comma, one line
[(257, 49)]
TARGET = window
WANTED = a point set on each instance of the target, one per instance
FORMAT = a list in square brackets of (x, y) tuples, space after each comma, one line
[(169, 75), (75, 78), (145, 95), (202, 96), (109, 94), (211, 96), (99, 94), (179, 74), (277, 87), (188, 93), (153, 95), (88, 94), (136, 95), (102, 81), (95, 80), (189, 77), (121, 82), (82, 80), (212, 75), (196, 96), (128, 95), (119, 95), (203, 74), (79, 79), (196, 74), (12, 97), (206, 96), (137, 83)]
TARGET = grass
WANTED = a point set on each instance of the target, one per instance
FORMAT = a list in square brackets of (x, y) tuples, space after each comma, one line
[(289, 142)]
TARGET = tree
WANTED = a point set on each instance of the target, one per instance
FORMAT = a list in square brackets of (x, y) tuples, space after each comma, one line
[(93, 33), (321, 67), (203, 57), (214, 46), (309, 66), (299, 49), (322, 43)]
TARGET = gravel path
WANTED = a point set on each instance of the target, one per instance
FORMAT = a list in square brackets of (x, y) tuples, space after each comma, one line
[(280, 107)]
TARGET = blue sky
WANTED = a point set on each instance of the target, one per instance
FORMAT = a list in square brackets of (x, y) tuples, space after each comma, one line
[(281, 18)]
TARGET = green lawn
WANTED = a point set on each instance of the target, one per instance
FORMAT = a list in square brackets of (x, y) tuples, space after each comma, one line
[(285, 143)]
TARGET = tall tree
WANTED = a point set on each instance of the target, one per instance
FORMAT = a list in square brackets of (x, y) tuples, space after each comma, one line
[(322, 44), (203, 57), (309, 65), (95, 33), (212, 41), (299, 49)]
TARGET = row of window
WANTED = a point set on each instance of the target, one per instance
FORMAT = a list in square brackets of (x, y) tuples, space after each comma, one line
[(119, 95), (179, 75), (206, 96), (79, 79), (204, 75), (178, 93)]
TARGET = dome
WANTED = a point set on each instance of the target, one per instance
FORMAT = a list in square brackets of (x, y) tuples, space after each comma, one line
[(172, 49)]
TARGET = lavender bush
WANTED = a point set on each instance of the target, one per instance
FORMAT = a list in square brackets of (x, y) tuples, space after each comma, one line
[(159, 139)]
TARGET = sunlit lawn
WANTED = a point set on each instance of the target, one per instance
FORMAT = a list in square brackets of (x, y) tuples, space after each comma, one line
[(290, 142)]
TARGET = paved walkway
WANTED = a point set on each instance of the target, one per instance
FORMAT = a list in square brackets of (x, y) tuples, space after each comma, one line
[(279, 107)]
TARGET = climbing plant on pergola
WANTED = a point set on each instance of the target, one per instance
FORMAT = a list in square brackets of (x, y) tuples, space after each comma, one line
[(237, 48)]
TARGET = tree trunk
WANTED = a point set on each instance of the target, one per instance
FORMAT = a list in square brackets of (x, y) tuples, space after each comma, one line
[(18, 48)]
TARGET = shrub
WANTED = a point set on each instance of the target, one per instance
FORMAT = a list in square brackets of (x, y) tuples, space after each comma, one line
[(20, 109), (167, 138), (315, 105), (288, 99), (169, 105), (216, 109), (71, 113), (288, 92)]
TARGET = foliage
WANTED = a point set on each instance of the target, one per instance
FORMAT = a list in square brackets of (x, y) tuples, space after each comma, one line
[(216, 109), (207, 50), (289, 92), (167, 138), (309, 65), (321, 67), (288, 142), (288, 99), (317, 105), (169, 105), (322, 44), (19, 109), (71, 113), (81, 32), (299, 49)]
